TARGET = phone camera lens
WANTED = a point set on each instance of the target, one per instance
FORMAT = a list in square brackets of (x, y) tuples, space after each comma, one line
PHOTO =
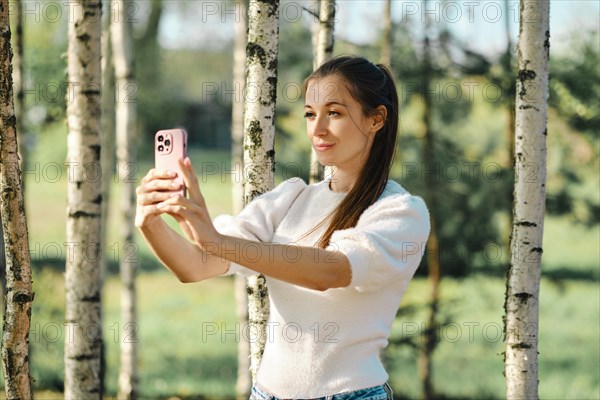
[(160, 138), (167, 142), (161, 148)]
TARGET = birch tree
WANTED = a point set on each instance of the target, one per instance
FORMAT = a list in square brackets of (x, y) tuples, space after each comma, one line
[(107, 159), (523, 282), (259, 153), (386, 42), (19, 105), (125, 128), (242, 386), (323, 52), (19, 294), (83, 339)]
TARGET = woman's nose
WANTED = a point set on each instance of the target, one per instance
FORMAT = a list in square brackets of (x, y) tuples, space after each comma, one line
[(320, 127)]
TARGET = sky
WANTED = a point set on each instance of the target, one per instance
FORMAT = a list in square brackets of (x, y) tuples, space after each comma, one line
[(479, 23)]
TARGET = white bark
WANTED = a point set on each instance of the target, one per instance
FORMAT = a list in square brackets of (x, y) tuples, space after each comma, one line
[(522, 296), (323, 52), (315, 28), (19, 294), (107, 158), (243, 382), (83, 339), (259, 153), (125, 130), (325, 39)]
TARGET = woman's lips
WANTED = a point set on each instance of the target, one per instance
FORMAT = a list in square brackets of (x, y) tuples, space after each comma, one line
[(323, 146)]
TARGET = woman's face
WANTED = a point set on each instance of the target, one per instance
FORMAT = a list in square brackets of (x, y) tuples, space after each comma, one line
[(336, 126)]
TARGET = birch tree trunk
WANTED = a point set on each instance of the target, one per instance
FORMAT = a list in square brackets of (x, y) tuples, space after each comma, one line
[(19, 294), (323, 53), (107, 158), (315, 28), (259, 153), (83, 319), (243, 382), (387, 39), (523, 282), (125, 129), (19, 104)]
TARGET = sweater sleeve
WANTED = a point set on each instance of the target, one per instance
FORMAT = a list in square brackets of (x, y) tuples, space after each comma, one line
[(387, 243), (260, 218)]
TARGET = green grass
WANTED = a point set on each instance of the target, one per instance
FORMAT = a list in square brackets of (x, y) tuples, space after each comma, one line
[(471, 344), (183, 351)]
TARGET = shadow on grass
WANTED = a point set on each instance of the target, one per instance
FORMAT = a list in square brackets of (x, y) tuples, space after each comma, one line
[(554, 274), (146, 263)]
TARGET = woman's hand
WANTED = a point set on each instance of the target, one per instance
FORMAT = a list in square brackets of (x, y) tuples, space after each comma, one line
[(156, 187), (191, 212)]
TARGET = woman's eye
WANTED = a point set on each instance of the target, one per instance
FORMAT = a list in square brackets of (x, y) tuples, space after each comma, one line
[(309, 114), (334, 113)]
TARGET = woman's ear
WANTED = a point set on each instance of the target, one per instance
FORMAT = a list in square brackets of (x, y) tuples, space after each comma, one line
[(378, 119)]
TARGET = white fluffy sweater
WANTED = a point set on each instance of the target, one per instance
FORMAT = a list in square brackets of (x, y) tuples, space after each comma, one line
[(322, 343)]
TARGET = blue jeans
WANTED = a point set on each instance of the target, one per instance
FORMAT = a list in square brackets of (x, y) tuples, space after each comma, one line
[(382, 392)]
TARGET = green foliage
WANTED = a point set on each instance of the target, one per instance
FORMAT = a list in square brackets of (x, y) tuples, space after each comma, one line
[(575, 83), (575, 96), (45, 85)]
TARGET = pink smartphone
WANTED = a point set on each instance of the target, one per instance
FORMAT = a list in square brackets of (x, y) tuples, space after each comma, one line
[(170, 145)]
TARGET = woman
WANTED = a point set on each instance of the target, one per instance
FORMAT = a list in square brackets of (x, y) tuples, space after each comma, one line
[(338, 255)]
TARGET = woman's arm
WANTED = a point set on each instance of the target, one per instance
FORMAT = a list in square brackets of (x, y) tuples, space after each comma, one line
[(184, 259), (310, 267)]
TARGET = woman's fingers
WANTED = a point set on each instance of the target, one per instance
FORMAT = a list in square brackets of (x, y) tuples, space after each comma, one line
[(158, 174), (158, 183), (153, 197), (191, 181)]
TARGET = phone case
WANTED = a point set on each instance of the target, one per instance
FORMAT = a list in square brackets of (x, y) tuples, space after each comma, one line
[(170, 145)]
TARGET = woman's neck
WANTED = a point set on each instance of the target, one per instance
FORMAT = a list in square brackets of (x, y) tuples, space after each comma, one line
[(341, 180)]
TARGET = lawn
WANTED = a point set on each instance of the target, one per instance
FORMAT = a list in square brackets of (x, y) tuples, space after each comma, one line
[(188, 335)]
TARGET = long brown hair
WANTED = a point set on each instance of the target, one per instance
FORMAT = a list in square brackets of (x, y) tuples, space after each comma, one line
[(371, 86)]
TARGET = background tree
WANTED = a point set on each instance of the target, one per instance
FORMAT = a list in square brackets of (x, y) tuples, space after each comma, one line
[(19, 294), (126, 115), (83, 318), (153, 115), (433, 255), (523, 279), (259, 154), (572, 187), (323, 52), (243, 382), (387, 43)]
